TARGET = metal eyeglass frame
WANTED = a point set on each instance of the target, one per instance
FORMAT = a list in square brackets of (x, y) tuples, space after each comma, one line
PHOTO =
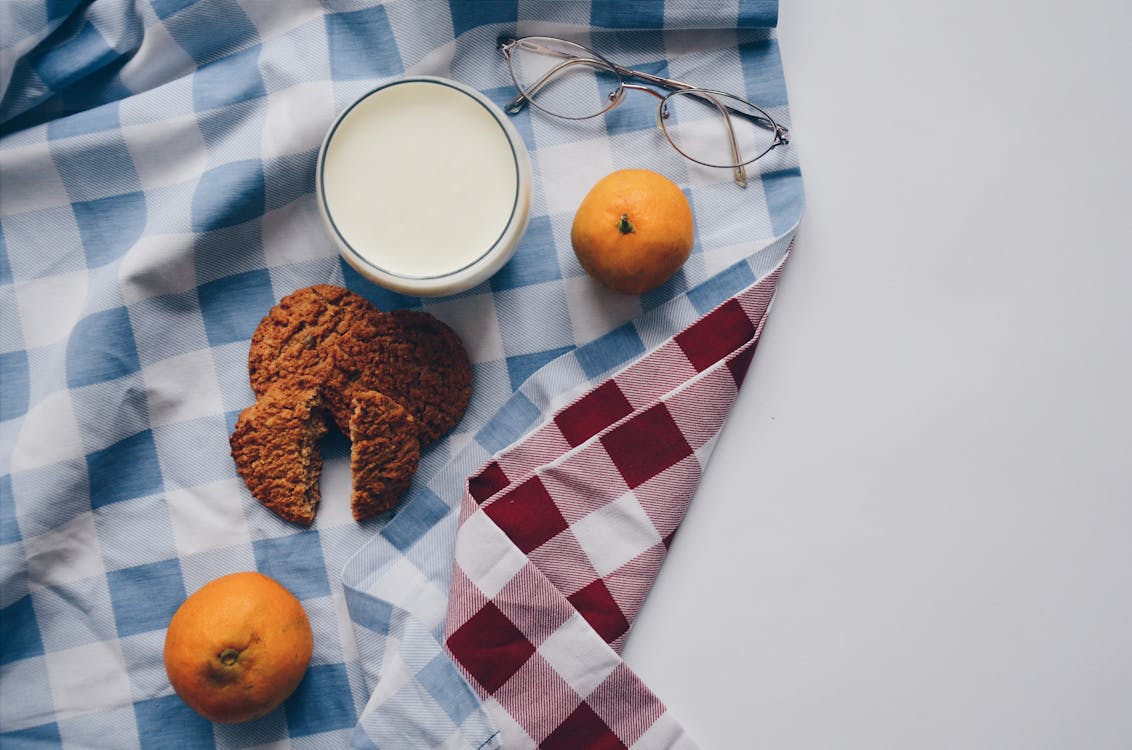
[(586, 56)]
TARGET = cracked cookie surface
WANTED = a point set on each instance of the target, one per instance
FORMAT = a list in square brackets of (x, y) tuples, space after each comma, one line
[(384, 453), (412, 357), (300, 336), (275, 447)]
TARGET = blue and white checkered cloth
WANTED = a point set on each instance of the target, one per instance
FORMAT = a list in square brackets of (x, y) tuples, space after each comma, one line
[(157, 177)]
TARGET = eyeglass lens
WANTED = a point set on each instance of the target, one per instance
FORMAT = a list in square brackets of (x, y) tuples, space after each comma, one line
[(716, 129), (562, 78)]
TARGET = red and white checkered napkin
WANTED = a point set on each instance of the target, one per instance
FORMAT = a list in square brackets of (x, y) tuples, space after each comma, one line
[(561, 538)]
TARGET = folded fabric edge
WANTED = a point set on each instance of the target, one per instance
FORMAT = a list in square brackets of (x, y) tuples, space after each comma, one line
[(472, 620), (574, 433)]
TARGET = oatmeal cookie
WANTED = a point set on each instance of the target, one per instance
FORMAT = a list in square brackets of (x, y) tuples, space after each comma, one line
[(299, 336), (384, 453), (275, 447), (413, 358)]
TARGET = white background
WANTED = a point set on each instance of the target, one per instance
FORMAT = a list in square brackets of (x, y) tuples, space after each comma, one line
[(916, 531)]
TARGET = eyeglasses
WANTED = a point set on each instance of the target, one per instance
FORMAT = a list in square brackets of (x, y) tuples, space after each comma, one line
[(569, 81)]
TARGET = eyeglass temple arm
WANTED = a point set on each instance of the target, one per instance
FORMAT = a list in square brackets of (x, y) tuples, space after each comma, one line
[(740, 170)]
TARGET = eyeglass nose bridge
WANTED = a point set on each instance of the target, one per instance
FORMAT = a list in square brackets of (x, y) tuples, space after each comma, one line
[(646, 89), (615, 96)]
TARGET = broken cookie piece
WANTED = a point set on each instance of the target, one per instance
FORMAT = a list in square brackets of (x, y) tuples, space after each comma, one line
[(275, 447), (384, 453)]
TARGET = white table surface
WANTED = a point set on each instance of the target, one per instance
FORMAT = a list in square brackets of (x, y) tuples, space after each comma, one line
[(916, 531)]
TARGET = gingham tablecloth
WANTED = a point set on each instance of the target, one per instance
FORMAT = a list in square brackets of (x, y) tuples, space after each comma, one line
[(156, 197)]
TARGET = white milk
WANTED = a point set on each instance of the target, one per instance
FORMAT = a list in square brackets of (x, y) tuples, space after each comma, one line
[(420, 179)]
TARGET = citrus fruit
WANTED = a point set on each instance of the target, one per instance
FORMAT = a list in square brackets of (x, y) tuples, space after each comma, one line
[(633, 230), (238, 647)]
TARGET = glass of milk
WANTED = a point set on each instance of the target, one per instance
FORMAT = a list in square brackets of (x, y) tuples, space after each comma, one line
[(424, 186)]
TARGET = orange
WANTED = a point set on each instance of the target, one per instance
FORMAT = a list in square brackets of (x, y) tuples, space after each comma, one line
[(238, 647), (633, 230)]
